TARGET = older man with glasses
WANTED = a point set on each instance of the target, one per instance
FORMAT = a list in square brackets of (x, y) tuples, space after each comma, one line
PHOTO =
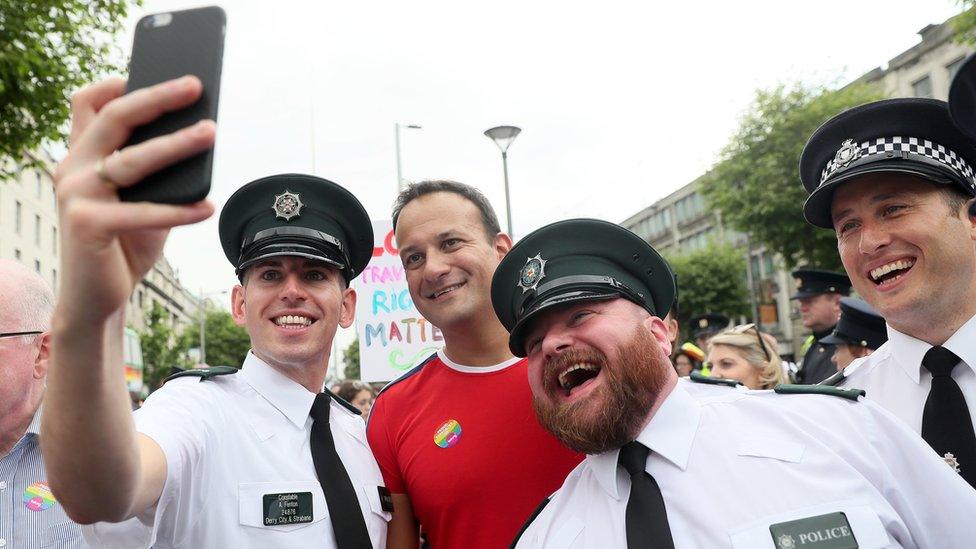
[(31, 516)]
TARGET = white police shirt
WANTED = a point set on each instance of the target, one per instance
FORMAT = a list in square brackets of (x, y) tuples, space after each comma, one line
[(893, 375), (229, 441), (731, 463)]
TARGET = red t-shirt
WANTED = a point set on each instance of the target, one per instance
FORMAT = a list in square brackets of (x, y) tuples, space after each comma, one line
[(465, 445)]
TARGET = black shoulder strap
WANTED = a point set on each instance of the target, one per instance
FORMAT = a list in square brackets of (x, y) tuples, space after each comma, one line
[(843, 392), (528, 522), (343, 402), (205, 373), (698, 377), (834, 380)]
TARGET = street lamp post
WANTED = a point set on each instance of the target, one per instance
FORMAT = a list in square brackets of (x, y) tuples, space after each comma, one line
[(397, 127), (503, 137)]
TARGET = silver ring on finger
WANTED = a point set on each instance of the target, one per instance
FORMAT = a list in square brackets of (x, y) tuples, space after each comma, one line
[(103, 175)]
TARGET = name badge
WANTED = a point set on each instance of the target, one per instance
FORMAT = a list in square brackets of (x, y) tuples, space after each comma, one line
[(386, 498), (830, 531), (291, 508)]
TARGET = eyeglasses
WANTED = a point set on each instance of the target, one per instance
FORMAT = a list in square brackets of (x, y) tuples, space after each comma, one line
[(15, 334), (743, 328)]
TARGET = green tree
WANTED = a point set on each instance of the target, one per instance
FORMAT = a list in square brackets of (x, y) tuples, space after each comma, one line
[(756, 183), (49, 49), (227, 343), (964, 24), (711, 279), (161, 350), (350, 360)]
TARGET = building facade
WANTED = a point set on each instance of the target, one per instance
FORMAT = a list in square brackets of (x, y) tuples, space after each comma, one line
[(29, 222), (682, 222), (29, 233)]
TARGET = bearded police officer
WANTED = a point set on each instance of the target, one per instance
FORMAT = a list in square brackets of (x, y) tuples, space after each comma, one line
[(583, 300), (894, 179), (216, 458), (818, 294)]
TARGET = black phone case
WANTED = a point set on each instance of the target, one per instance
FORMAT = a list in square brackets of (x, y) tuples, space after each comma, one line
[(192, 42)]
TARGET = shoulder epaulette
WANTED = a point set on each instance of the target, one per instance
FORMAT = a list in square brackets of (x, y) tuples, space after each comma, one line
[(205, 373), (343, 402), (843, 392), (699, 378)]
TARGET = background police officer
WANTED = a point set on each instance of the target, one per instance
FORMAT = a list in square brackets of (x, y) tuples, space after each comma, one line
[(859, 332), (818, 293)]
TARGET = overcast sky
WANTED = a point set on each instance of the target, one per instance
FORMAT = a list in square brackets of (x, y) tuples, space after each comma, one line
[(620, 103)]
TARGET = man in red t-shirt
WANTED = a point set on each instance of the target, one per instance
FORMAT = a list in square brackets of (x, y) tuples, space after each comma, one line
[(456, 437)]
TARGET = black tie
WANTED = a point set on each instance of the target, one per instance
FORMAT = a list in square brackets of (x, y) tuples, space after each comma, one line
[(646, 517), (340, 496), (946, 423)]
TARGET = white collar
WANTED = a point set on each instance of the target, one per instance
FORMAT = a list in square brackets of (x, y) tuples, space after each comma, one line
[(475, 369), (670, 433), (35, 425), (907, 351), (290, 398)]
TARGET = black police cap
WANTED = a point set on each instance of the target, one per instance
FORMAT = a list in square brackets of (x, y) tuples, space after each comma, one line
[(708, 323), (297, 215), (577, 260), (811, 282), (907, 135), (859, 325)]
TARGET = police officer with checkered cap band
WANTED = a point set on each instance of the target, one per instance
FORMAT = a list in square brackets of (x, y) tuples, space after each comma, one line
[(895, 180), (577, 289), (292, 456), (858, 333), (818, 293)]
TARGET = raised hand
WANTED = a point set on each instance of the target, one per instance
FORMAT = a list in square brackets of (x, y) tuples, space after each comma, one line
[(108, 245)]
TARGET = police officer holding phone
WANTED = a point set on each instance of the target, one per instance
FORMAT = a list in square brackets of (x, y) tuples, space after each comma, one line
[(217, 458)]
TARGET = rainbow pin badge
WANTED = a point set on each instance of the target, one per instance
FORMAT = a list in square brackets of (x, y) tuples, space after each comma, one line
[(448, 434), (38, 497)]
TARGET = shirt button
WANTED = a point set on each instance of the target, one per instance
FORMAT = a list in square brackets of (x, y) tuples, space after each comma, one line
[(3, 486), (3, 542)]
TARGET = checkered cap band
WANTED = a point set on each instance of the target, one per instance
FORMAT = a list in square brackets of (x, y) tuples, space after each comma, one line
[(914, 145)]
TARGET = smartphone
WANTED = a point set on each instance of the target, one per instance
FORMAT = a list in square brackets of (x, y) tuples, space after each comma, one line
[(166, 46)]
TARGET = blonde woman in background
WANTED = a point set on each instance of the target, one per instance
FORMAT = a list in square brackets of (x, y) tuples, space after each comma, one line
[(745, 354)]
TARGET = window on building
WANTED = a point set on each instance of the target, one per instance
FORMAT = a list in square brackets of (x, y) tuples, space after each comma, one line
[(140, 300), (17, 211), (17, 254), (54, 240), (922, 87), (953, 67), (37, 229), (37, 266), (54, 279), (37, 184)]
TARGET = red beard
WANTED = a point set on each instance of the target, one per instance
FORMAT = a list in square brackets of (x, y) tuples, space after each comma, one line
[(612, 414)]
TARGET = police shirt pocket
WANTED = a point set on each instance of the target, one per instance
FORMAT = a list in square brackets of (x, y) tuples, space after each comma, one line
[(782, 450), (862, 525), (282, 505)]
